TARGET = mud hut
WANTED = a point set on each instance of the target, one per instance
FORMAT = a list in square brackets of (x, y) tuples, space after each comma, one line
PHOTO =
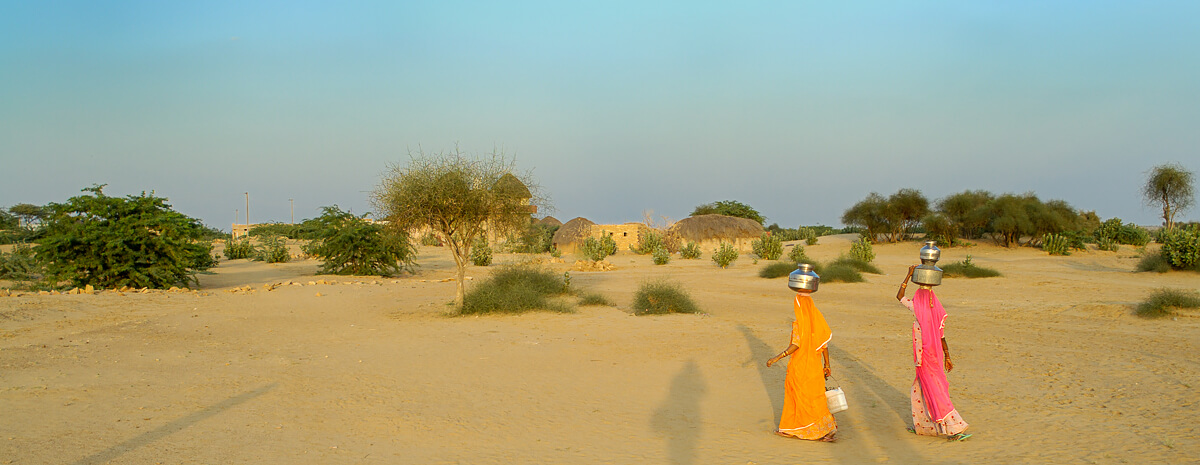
[(550, 221), (572, 234), (708, 231)]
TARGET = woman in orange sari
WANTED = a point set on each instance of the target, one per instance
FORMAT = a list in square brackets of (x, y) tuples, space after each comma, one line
[(805, 408)]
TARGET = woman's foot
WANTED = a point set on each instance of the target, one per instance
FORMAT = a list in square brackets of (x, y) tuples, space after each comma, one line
[(960, 437), (828, 438), (782, 434), (911, 430)]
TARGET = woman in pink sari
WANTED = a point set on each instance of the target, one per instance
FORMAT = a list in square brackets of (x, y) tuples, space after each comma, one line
[(933, 413)]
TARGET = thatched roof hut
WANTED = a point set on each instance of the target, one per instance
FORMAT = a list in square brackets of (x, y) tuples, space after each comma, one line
[(550, 221), (510, 185), (708, 230), (572, 233)]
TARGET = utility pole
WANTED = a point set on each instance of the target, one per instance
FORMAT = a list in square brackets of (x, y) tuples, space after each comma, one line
[(247, 209), (293, 202)]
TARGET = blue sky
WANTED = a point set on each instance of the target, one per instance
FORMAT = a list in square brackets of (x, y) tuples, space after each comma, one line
[(799, 109)]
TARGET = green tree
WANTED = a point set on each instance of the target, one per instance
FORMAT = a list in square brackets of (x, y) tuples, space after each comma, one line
[(108, 242), (869, 214), (905, 209), (894, 217), (457, 197), (1170, 186), (8, 220), (30, 215), (729, 208), (965, 212), (350, 245)]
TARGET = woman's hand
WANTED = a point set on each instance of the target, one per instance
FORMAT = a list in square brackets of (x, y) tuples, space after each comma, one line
[(772, 361), (904, 285), (949, 364), (826, 371)]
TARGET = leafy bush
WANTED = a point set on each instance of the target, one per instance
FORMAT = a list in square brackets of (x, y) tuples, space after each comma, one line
[(594, 299), (348, 244), (861, 250), (272, 249), (1181, 248), (839, 273), (809, 235), (724, 255), (797, 255), (1154, 262), (661, 297), (238, 249), (1134, 235), (1114, 230), (967, 269), (1108, 244), (767, 247), (431, 240), (481, 253), (691, 251), (598, 249), (1055, 244), (661, 256), (20, 264), (535, 238), (290, 231), (1162, 301), (857, 264), (776, 270), (729, 208), (516, 289), (649, 241), (1077, 239), (109, 242)]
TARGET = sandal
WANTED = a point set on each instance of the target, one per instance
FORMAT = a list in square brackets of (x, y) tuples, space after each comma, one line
[(960, 437), (828, 438)]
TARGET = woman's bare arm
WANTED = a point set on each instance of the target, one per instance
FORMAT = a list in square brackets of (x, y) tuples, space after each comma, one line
[(788, 351), (904, 285), (946, 350)]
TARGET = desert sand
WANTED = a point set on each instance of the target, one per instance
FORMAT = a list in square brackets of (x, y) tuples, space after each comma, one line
[(1051, 367)]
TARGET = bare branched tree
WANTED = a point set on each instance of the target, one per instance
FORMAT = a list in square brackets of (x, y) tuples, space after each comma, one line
[(458, 197)]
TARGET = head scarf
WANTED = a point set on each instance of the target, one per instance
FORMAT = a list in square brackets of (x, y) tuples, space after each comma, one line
[(811, 332)]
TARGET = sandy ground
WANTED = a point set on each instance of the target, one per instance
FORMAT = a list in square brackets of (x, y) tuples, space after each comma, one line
[(1051, 368)]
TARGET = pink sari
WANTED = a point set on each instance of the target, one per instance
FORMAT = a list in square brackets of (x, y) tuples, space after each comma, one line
[(933, 413)]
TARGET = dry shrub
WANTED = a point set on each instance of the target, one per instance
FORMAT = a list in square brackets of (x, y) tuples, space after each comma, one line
[(661, 297), (516, 289), (1162, 301)]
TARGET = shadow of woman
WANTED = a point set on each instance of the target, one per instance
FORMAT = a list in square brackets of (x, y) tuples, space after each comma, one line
[(772, 379), (679, 416)]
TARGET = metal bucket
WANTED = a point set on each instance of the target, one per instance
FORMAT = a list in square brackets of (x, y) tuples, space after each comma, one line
[(930, 254), (927, 275), (804, 279)]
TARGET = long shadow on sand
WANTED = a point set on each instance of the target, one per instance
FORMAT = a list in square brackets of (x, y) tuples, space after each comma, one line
[(679, 416), (172, 427)]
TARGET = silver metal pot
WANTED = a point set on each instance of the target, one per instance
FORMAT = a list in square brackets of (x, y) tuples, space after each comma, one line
[(930, 254), (927, 273), (804, 279)]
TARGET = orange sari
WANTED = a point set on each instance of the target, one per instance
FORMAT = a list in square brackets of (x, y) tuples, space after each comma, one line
[(805, 410)]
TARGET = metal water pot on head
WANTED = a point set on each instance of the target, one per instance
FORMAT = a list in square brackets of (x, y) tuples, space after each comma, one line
[(804, 279), (927, 273)]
